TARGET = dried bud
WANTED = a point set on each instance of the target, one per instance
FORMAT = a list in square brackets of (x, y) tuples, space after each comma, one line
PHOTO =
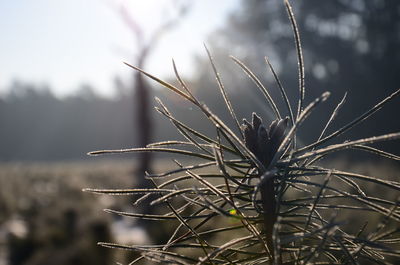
[(261, 142)]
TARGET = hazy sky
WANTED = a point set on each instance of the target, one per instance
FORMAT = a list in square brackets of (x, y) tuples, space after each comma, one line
[(69, 43)]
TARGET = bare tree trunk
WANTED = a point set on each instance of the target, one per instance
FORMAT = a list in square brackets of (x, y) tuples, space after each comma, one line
[(143, 121), (143, 126), (142, 91)]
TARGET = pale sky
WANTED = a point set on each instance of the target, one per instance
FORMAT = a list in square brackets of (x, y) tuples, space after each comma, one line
[(67, 43)]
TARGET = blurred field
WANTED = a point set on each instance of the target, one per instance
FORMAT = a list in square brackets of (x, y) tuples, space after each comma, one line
[(47, 219), (44, 212)]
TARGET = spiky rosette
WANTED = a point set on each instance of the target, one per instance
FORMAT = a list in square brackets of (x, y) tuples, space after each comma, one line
[(253, 196)]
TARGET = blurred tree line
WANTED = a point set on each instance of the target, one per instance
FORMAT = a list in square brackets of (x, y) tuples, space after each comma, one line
[(36, 125), (349, 46)]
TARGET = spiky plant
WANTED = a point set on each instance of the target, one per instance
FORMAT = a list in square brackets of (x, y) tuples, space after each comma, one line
[(255, 197)]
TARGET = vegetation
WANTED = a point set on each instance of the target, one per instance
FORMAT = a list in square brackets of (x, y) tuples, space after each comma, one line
[(257, 196), (45, 218)]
